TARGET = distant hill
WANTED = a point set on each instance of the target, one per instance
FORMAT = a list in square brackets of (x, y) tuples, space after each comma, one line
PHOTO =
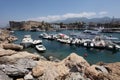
[(84, 19)]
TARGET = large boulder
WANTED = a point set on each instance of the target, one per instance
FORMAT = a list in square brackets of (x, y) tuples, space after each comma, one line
[(4, 52), (47, 70), (11, 38), (19, 55), (24, 54), (74, 59), (12, 46), (14, 71), (75, 76), (4, 34), (20, 79), (25, 63), (28, 76), (1, 46), (95, 71), (3, 76), (114, 71), (20, 68), (5, 37)]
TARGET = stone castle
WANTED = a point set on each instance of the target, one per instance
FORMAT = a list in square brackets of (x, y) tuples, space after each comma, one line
[(27, 25)]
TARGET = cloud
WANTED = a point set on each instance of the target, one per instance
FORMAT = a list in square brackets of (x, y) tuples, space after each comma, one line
[(52, 18), (103, 13)]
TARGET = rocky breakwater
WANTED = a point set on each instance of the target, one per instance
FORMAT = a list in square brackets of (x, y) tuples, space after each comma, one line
[(26, 66), (75, 67), (65, 69), (14, 64)]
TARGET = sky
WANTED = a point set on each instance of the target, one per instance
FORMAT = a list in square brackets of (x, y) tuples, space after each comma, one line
[(53, 10)]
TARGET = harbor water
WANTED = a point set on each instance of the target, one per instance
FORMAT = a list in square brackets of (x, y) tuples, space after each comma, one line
[(61, 51)]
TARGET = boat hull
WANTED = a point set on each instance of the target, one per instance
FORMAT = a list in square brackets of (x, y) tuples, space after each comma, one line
[(40, 48)]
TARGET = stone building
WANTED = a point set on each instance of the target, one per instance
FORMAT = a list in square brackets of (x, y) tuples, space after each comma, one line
[(24, 25)]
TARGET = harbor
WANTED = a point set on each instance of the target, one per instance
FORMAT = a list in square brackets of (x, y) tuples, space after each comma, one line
[(60, 50), (59, 40)]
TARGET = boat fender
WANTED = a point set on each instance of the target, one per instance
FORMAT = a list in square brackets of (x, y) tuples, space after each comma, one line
[(85, 44), (91, 44)]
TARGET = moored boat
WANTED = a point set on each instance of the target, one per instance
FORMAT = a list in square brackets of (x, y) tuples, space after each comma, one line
[(109, 37), (40, 48), (27, 41), (35, 42), (43, 35), (112, 46), (51, 37), (68, 41)]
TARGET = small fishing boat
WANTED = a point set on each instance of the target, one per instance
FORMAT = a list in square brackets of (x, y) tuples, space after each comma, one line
[(40, 48)]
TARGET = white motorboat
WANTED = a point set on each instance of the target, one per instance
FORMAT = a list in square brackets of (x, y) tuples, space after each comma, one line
[(35, 42), (27, 41), (40, 48), (44, 35), (99, 42), (64, 41), (95, 31), (111, 38), (108, 37)]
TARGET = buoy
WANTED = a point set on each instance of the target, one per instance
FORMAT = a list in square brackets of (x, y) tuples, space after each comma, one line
[(91, 44), (85, 44), (85, 55)]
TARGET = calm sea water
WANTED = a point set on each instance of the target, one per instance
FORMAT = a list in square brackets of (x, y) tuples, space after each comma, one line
[(61, 51)]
